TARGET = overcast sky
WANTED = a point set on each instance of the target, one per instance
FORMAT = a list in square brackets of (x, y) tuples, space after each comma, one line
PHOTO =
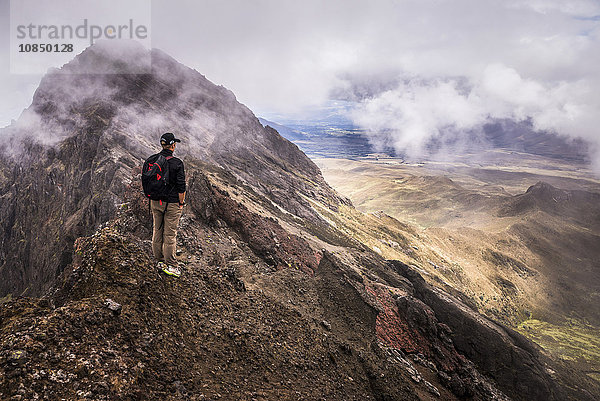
[(414, 67)]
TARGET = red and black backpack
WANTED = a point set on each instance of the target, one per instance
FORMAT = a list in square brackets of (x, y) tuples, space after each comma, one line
[(155, 177)]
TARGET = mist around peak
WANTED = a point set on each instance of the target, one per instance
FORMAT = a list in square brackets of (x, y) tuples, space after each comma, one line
[(83, 132)]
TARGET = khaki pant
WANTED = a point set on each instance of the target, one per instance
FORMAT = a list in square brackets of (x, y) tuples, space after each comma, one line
[(166, 218)]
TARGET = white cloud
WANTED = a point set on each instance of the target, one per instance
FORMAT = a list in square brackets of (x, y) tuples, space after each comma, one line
[(409, 116), (570, 7)]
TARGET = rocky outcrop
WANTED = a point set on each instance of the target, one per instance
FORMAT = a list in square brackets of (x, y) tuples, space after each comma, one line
[(516, 364), (50, 197)]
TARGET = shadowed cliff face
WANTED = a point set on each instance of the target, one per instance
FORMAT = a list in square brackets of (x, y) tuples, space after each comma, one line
[(67, 159)]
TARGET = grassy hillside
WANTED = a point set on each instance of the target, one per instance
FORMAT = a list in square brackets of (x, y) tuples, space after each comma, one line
[(518, 250)]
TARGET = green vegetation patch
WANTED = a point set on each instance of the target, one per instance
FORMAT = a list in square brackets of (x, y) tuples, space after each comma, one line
[(572, 341)]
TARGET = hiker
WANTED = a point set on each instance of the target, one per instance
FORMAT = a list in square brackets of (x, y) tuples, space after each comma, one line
[(163, 179)]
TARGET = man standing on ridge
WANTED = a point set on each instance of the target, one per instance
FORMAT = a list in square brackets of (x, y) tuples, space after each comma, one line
[(163, 178)]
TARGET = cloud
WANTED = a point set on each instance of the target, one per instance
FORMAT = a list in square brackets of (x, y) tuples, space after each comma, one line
[(409, 116), (571, 7), (416, 112), (564, 107)]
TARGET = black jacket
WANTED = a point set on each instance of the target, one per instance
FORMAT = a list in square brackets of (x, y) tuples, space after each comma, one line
[(176, 184)]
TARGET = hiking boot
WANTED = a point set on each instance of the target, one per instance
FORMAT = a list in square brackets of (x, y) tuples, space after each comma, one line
[(171, 270)]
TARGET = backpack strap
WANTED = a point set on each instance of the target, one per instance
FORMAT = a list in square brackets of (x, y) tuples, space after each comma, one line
[(168, 158)]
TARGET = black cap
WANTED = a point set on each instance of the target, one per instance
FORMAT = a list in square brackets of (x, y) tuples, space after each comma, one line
[(168, 138)]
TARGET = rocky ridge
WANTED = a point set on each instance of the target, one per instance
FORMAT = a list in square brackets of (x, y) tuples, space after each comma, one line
[(260, 313), (68, 158)]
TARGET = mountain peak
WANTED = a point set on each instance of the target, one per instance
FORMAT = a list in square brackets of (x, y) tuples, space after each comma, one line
[(76, 144), (111, 57), (544, 192), (541, 187)]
